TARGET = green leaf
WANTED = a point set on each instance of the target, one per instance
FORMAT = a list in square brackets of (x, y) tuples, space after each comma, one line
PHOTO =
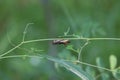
[(116, 73), (73, 68), (100, 63), (90, 70), (104, 75), (70, 47), (113, 62)]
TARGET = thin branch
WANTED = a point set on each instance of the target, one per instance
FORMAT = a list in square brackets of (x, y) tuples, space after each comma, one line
[(49, 39), (81, 48), (23, 40), (2, 56), (19, 56), (12, 44), (11, 49), (47, 57), (66, 33), (89, 39), (94, 66), (25, 31), (87, 64)]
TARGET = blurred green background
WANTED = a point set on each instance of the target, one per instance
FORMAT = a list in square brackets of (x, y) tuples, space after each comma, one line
[(51, 18)]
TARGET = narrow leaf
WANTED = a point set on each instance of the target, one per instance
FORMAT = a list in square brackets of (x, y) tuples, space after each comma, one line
[(73, 68)]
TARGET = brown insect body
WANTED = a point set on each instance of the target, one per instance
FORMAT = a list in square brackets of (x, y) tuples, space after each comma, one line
[(65, 42)]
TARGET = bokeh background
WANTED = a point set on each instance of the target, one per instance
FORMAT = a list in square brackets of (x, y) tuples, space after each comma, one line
[(51, 18)]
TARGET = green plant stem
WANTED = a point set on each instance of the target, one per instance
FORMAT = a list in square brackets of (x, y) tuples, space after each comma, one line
[(19, 56), (89, 39), (11, 49), (25, 31), (93, 66), (47, 57), (79, 54), (50, 39)]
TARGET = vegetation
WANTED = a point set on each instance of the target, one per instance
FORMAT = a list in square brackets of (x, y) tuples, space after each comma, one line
[(29, 27)]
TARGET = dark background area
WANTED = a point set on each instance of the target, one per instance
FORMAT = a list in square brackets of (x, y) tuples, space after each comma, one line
[(51, 18)]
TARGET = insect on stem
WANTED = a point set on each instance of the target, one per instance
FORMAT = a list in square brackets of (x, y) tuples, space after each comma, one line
[(62, 41)]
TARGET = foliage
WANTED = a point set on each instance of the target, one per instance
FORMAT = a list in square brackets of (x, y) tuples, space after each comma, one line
[(27, 52)]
